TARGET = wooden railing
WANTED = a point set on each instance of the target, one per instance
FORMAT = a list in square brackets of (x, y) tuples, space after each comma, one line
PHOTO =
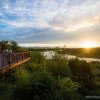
[(12, 58)]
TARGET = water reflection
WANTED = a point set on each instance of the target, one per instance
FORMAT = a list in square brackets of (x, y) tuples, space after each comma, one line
[(49, 54)]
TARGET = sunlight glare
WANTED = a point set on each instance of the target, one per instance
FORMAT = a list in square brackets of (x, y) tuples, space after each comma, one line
[(88, 44)]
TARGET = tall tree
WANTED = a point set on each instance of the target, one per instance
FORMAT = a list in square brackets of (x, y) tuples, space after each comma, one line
[(14, 46), (5, 44)]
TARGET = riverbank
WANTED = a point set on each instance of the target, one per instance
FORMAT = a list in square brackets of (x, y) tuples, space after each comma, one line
[(82, 52), (50, 54)]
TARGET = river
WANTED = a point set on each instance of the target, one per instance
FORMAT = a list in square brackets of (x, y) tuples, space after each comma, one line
[(49, 54)]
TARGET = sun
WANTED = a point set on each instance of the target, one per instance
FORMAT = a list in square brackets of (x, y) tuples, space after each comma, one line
[(88, 44)]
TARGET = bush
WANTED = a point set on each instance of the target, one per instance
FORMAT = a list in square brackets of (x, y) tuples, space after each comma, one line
[(82, 72), (40, 86), (69, 89), (37, 57), (32, 67), (35, 81), (59, 66)]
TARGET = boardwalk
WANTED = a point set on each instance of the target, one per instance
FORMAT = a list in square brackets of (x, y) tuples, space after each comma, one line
[(8, 61)]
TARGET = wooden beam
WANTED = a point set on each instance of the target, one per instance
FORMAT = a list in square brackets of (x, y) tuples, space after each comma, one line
[(5, 69)]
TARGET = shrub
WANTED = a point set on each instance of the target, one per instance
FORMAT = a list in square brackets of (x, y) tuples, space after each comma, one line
[(59, 66), (40, 86), (82, 72), (69, 89), (37, 57)]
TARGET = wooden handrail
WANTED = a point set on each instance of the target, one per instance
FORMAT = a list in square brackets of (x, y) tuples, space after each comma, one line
[(12, 58)]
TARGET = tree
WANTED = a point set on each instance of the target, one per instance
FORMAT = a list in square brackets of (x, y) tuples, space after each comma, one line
[(14, 46), (82, 72), (39, 86), (38, 57), (6, 45), (69, 89), (58, 65)]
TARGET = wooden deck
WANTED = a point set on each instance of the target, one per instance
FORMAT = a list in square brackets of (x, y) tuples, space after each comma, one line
[(9, 61)]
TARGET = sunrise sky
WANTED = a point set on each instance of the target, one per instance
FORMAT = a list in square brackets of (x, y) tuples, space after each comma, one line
[(73, 23)]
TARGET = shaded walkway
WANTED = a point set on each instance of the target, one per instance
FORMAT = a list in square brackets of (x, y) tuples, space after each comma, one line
[(8, 61)]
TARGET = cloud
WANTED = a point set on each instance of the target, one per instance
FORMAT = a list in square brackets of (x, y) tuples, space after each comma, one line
[(77, 16), (49, 21)]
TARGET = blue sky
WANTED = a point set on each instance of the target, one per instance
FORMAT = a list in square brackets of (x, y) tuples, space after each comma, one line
[(50, 22)]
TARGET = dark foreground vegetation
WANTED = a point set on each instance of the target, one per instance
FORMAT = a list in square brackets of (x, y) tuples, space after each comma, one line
[(55, 79)]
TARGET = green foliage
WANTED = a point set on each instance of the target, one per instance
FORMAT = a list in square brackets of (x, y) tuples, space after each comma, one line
[(37, 57), (82, 72), (59, 66), (14, 46), (23, 49), (40, 86), (82, 52), (10, 45), (6, 45), (6, 89), (69, 89), (95, 92), (51, 79), (68, 85)]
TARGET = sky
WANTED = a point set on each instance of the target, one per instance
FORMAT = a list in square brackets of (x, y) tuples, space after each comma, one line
[(50, 22)]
